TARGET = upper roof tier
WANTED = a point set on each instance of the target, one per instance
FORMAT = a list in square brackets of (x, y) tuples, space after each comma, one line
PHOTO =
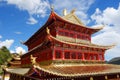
[(70, 18)]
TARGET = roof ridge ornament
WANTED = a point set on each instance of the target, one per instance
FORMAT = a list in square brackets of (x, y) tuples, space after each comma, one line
[(20, 53), (64, 12), (52, 7), (47, 30), (73, 11), (33, 59), (22, 42)]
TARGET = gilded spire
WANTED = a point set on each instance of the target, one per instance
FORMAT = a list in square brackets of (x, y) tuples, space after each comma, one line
[(73, 11), (91, 78), (64, 12), (20, 53), (52, 7)]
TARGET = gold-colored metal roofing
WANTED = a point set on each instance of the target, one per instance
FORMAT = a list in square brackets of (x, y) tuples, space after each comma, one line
[(71, 17), (79, 70)]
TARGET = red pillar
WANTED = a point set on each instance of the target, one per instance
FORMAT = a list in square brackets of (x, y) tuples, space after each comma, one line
[(103, 57), (63, 56), (76, 55), (92, 56), (83, 56), (57, 33), (90, 38), (53, 53), (88, 56), (98, 57), (70, 56)]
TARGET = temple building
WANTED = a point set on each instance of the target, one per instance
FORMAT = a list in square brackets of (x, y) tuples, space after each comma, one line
[(62, 50)]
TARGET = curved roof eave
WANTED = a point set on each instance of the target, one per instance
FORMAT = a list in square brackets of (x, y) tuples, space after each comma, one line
[(95, 46), (54, 16), (46, 24), (94, 29)]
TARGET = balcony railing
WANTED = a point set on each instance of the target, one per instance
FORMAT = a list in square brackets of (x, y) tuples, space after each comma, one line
[(72, 40)]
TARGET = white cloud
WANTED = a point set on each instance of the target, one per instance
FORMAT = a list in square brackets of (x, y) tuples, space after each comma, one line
[(110, 17), (0, 36), (81, 7), (31, 20), (6, 43), (11, 51), (18, 49), (17, 32), (33, 7), (106, 38)]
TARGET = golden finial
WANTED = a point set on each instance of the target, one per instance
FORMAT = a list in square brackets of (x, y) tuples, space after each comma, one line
[(64, 12), (118, 76), (106, 77), (73, 11), (48, 30), (20, 53), (52, 7), (91, 78), (22, 42), (33, 59)]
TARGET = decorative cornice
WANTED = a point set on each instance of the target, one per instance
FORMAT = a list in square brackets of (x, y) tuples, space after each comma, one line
[(83, 44)]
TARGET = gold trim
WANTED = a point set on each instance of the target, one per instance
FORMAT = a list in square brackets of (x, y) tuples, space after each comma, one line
[(106, 77), (47, 30), (33, 59), (118, 76), (40, 67), (80, 44), (91, 78)]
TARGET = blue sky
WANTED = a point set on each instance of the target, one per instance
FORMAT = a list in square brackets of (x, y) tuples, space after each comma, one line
[(19, 19)]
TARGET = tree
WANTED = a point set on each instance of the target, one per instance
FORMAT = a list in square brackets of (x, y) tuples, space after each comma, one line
[(4, 55)]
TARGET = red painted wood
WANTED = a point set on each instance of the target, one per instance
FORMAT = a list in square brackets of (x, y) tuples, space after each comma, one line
[(70, 52)]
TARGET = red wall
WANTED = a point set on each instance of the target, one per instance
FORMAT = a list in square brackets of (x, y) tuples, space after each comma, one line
[(43, 55)]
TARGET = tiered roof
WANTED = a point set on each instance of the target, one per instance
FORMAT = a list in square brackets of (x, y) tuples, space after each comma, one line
[(15, 62), (65, 70), (68, 71), (83, 44), (79, 70), (69, 18)]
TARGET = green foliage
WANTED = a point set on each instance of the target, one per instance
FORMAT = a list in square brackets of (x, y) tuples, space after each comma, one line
[(4, 55)]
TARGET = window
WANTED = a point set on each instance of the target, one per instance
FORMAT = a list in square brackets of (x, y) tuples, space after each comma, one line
[(83, 37), (66, 33), (95, 57), (60, 33), (86, 56), (67, 55), (73, 55), (79, 56), (71, 35), (101, 57), (90, 57), (58, 54), (78, 36)]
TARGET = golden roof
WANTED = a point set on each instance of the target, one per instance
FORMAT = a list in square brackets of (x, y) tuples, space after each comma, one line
[(79, 70), (71, 17)]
